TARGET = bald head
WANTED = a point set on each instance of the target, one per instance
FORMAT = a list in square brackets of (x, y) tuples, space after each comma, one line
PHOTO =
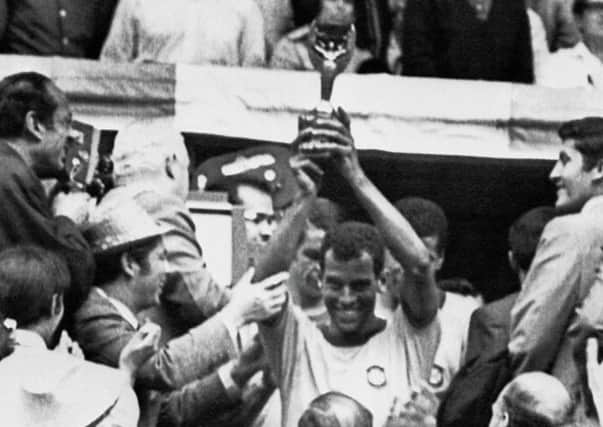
[(532, 399), (149, 150)]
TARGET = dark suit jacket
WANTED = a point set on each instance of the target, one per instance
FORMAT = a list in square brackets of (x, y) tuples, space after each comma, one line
[(26, 218), (489, 327)]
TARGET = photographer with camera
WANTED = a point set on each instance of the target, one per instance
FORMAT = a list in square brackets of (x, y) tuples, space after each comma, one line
[(35, 128)]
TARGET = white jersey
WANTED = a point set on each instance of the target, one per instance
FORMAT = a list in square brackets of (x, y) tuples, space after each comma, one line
[(387, 367)]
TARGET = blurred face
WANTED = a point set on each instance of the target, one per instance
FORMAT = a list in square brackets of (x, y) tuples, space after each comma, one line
[(574, 184), (52, 152), (337, 11), (152, 275), (305, 269), (260, 219), (349, 291)]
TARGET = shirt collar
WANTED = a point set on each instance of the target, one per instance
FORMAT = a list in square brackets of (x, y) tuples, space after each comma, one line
[(25, 339), (121, 308), (593, 203)]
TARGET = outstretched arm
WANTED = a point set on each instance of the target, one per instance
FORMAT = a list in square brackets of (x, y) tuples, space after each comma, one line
[(419, 294)]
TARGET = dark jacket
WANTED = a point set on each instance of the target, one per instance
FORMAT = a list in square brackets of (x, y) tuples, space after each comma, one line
[(26, 218), (444, 38)]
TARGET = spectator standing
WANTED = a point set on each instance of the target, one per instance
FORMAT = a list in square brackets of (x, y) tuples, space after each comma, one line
[(217, 32), (278, 20), (292, 52), (579, 66), (467, 39), (35, 126), (544, 320), (75, 28)]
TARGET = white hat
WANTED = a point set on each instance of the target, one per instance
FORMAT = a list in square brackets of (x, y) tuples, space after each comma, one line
[(47, 389), (119, 224)]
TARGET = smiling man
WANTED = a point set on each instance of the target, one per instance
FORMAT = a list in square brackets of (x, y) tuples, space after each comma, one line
[(376, 362), (544, 320)]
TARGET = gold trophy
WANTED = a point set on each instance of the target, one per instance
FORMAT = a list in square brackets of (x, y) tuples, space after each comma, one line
[(331, 48)]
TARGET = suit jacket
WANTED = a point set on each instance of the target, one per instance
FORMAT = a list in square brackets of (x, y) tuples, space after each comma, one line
[(26, 218), (191, 295), (189, 360), (489, 327), (544, 319)]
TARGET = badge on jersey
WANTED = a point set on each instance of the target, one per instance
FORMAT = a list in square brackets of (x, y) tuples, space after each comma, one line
[(436, 377), (375, 375)]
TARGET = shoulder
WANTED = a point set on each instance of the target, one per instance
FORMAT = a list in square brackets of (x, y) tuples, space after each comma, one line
[(496, 312), (577, 227)]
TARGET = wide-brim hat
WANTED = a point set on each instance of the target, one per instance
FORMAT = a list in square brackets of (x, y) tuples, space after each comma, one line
[(119, 224), (49, 389)]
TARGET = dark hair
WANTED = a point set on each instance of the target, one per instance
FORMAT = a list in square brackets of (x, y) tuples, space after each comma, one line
[(304, 11), (588, 136), (21, 93), (580, 6), (525, 232), (427, 218), (328, 409), (29, 277), (108, 265), (349, 239), (458, 285)]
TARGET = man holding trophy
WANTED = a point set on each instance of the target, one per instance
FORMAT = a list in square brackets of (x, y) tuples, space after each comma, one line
[(382, 365)]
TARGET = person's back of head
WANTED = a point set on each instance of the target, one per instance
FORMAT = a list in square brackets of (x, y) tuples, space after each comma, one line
[(21, 93), (533, 399), (30, 278), (524, 235), (349, 240), (334, 409), (427, 218), (151, 149), (326, 214)]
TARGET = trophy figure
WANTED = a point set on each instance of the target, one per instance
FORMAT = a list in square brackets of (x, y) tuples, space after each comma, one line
[(331, 48)]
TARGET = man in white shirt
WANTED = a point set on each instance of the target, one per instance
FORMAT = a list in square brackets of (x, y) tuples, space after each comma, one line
[(218, 32), (378, 363)]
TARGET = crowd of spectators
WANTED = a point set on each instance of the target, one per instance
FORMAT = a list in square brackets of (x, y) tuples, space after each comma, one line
[(555, 43), (110, 315)]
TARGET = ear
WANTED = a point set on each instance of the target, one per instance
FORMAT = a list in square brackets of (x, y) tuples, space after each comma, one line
[(169, 166), (57, 307), (129, 266), (439, 260), (505, 419), (597, 172), (512, 261), (33, 126)]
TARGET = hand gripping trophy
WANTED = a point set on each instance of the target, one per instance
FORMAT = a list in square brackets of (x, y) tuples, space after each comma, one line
[(331, 47)]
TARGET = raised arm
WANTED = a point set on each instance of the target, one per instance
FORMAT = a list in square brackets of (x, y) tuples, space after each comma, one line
[(419, 295)]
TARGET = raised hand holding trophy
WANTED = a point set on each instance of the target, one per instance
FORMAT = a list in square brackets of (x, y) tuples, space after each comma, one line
[(331, 47)]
